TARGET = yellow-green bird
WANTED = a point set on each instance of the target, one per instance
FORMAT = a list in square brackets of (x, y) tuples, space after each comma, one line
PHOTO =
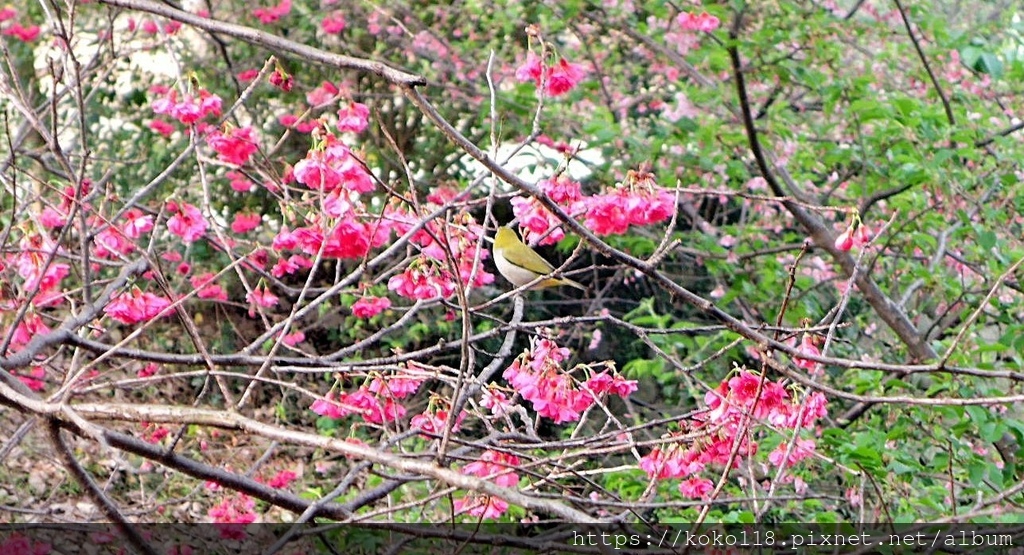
[(520, 264)]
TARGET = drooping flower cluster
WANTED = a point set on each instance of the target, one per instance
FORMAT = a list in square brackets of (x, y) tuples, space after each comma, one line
[(726, 422), (857, 236), (37, 263), (430, 276), (434, 422), (535, 220), (189, 109), (206, 288), (132, 307), (260, 297), (116, 239), (376, 403), (538, 376), (339, 226), (186, 221), (10, 27), (697, 22), (333, 23), (639, 201), (368, 307), (353, 118), (57, 216), (557, 79), (331, 165), (423, 279), (810, 347), (29, 326), (235, 146), (232, 514), (273, 13), (495, 466)]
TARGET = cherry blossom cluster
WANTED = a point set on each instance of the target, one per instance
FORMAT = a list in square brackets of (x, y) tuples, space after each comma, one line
[(433, 422), (273, 13), (235, 146), (556, 79), (232, 515), (132, 307), (703, 22), (11, 27), (340, 226), (430, 275), (638, 201), (37, 263), (856, 235), (732, 410), (495, 466), (370, 306), (31, 274), (376, 402), (537, 375), (538, 224), (808, 345), (189, 109), (153, 27)]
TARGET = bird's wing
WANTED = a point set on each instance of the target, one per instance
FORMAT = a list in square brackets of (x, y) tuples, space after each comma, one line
[(528, 259)]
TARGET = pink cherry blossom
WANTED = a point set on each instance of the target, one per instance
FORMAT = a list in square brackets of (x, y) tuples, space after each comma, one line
[(844, 241), (704, 22), (322, 95), (282, 79), (808, 346), (696, 488), (802, 449), (423, 280), (353, 118), (368, 307), (333, 23), (481, 506), (564, 77), (186, 222), (135, 306), (348, 240), (273, 13), (399, 386), (162, 127), (231, 515), (282, 479), (330, 407), (207, 289), (495, 466), (434, 422), (261, 296), (24, 34), (531, 69), (148, 370), (239, 182), (245, 222), (136, 223), (557, 80), (234, 147), (498, 403)]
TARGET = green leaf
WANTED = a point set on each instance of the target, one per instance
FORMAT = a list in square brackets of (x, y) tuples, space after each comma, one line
[(990, 64), (986, 239)]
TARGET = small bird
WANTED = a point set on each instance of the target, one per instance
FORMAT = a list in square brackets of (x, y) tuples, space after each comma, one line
[(520, 264)]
